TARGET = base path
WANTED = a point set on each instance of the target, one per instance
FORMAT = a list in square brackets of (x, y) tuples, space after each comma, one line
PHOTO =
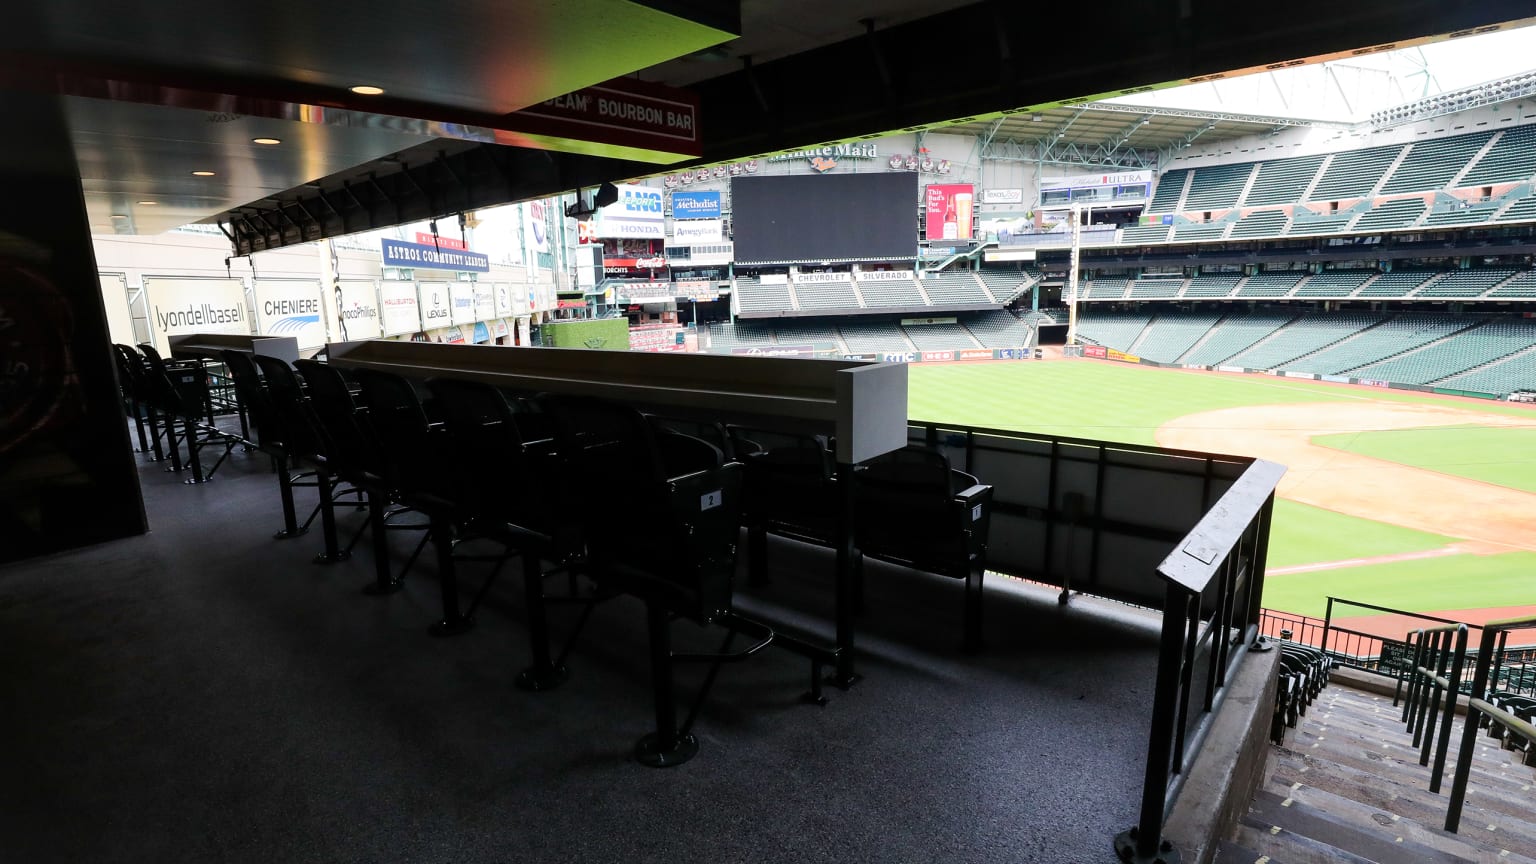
[(1360, 485)]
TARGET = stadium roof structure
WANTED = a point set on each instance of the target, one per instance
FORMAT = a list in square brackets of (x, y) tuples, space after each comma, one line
[(1102, 134), (146, 99)]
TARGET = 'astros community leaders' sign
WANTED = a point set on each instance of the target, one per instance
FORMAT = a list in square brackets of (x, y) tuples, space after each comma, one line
[(398, 253)]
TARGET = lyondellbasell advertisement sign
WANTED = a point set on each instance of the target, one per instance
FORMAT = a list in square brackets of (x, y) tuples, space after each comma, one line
[(948, 209)]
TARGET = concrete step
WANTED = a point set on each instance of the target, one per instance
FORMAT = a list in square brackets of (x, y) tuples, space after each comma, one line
[(1369, 840)]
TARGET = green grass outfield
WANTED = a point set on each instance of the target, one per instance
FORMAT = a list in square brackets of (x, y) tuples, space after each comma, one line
[(1127, 403), (1504, 457)]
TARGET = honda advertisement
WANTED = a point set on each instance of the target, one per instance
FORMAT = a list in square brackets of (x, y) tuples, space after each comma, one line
[(948, 208), (637, 213)]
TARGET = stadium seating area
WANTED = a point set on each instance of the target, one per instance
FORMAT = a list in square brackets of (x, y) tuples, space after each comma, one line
[(1169, 336), (1306, 334), (941, 337), (1000, 330), (1376, 342), (1474, 348), (860, 337), (946, 288), (1112, 329), (826, 295), (954, 286), (888, 293), (753, 295), (1334, 283), (1212, 286), (1437, 165), (1235, 334), (1270, 283)]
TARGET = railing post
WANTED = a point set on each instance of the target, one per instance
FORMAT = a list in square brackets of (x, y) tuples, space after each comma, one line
[(1469, 732), (1327, 623), (1432, 712), (1144, 843), (1450, 709)]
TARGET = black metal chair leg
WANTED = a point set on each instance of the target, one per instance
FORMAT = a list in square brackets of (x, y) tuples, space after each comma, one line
[(453, 622), (757, 555), (291, 527), (665, 747), (193, 459), (972, 641), (543, 674), (138, 421), (154, 437), (332, 553), (383, 583), (171, 444)]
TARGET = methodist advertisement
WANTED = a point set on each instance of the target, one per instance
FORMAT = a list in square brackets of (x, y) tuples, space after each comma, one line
[(696, 205), (948, 209), (535, 227), (180, 306), (692, 231), (462, 295), (420, 256), (637, 213), (357, 310), (436, 306), (398, 308), (290, 308)]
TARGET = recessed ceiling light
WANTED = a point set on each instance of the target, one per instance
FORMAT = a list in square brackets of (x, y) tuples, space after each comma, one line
[(368, 90), (266, 140), (119, 215), (202, 173), (149, 203)]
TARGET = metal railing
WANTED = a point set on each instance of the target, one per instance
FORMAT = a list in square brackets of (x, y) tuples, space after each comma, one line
[(1495, 634), (1214, 581), (1434, 674)]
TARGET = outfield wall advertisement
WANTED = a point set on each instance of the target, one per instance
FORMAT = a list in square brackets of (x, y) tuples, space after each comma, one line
[(181, 306), (398, 308), (287, 307), (357, 309), (948, 208)]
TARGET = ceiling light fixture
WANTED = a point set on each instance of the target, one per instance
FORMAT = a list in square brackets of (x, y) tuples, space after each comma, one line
[(148, 203), (119, 215), (368, 90), (266, 140), (202, 173)]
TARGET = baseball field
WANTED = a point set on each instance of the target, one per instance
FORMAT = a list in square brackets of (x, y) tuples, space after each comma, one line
[(1417, 502)]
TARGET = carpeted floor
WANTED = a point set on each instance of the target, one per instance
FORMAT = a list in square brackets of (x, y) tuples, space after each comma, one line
[(205, 693)]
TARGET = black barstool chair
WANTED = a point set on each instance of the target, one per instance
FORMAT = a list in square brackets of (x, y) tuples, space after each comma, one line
[(302, 437), (130, 373), (914, 510), (267, 434)]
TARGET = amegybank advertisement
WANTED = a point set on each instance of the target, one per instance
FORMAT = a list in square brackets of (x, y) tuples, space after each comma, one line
[(637, 213), (181, 306), (948, 208)]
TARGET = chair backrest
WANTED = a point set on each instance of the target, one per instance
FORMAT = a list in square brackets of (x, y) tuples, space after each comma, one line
[(412, 459), (347, 447), (130, 370), (252, 393), (491, 471), (790, 484), (904, 504), (290, 406)]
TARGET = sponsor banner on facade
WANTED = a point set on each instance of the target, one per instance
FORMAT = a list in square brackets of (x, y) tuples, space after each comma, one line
[(290, 308), (645, 291), (898, 356), (485, 301), (824, 159), (637, 213), (921, 322), (481, 332), (1122, 356), (1307, 375), (503, 299), (398, 310), (181, 306), (1230, 369), (938, 356), (357, 310), (624, 265), (696, 205), (1002, 196), (776, 351), (398, 253), (570, 304), (441, 242), (535, 227), (696, 290), (462, 296), (976, 354), (1082, 181), (1022, 353), (1095, 351), (774, 279), (454, 335), (822, 277), (685, 233), (436, 306), (500, 328), (1335, 379), (656, 338), (885, 276), (948, 208), (861, 356)]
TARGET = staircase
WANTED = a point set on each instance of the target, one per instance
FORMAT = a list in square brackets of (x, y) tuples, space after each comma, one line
[(1347, 787)]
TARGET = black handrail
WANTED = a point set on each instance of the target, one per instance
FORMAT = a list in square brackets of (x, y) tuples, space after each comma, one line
[(1477, 706), (1214, 577)]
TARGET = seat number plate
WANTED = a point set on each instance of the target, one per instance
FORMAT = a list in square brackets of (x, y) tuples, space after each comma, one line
[(976, 513), (711, 500)]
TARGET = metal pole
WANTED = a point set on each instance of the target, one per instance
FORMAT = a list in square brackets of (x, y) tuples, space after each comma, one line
[(1450, 709), (1145, 840), (1469, 731), (1077, 237)]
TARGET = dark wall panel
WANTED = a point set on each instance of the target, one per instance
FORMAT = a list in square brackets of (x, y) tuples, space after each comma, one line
[(66, 466), (816, 217)]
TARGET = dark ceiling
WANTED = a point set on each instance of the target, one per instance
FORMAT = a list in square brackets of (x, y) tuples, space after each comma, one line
[(155, 92)]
